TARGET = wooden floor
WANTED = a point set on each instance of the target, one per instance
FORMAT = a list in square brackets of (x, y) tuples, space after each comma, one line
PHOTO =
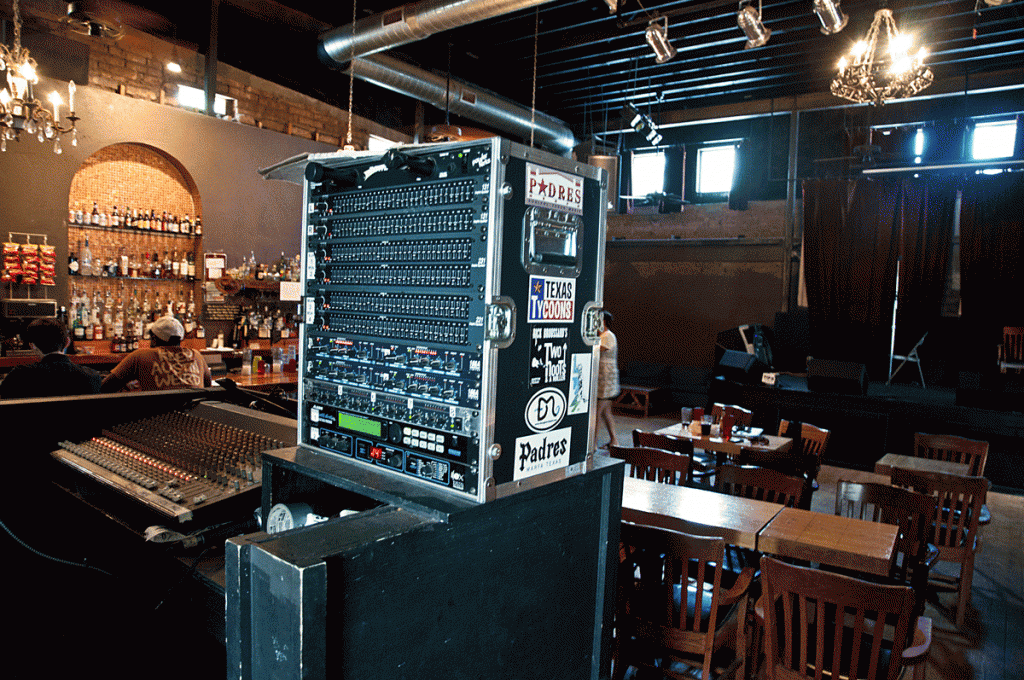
[(990, 645)]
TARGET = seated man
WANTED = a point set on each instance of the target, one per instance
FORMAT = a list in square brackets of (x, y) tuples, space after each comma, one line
[(165, 365), (53, 375)]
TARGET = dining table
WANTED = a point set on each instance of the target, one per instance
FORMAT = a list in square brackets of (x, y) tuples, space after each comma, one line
[(734, 445), (885, 464), (834, 540), (738, 520)]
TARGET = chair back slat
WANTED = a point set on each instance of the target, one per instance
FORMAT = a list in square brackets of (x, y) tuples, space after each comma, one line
[(971, 452), (655, 465), (742, 417), (763, 484), (817, 622), (958, 502), (1013, 344), (670, 595)]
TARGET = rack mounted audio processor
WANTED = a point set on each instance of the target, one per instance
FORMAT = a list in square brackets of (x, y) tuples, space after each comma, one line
[(452, 308)]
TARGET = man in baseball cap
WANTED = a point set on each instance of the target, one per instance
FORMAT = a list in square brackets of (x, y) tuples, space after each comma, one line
[(165, 365)]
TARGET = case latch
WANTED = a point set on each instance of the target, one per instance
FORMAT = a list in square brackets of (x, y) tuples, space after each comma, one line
[(501, 322)]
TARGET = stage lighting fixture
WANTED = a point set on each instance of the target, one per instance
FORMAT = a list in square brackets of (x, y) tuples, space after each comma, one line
[(749, 21), (832, 17), (657, 38)]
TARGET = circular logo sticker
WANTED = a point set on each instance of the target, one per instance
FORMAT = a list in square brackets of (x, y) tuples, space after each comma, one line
[(545, 409)]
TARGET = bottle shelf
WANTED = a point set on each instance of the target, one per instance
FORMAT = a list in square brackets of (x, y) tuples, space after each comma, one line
[(136, 232), (146, 279)]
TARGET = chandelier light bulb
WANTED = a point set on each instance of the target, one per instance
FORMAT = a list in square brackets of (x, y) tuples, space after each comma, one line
[(20, 110), (881, 66)]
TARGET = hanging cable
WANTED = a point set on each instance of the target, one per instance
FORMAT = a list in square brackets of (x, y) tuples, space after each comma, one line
[(351, 81)]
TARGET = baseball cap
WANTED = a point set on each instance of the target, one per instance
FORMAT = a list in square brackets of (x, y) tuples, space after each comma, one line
[(165, 327)]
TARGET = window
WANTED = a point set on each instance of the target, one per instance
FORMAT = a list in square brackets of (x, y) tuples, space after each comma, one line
[(715, 166), (994, 140), (194, 98), (647, 173), (375, 143)]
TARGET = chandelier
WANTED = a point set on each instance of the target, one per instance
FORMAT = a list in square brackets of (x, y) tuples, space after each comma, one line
[(20, 111), (880, 67)]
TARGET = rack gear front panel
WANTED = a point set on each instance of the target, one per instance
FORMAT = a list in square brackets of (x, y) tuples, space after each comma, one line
[(451, 299)]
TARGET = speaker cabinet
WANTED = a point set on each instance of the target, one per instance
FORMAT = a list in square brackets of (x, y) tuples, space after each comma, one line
[(843, 377), (740, 367)]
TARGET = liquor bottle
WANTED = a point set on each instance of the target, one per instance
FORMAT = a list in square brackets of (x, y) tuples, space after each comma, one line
[(124, 265), (147, 267), (86, 267), (133, 266), (191, 274), (183, 266), (103, 219), (197, 228), (175, 225), (79, 215), (115, 218), (126, 218), (94, 219), (166, 266), (175, 266), (157, 225), (73, 267), (186, 225), (71, 215), (158, 272)]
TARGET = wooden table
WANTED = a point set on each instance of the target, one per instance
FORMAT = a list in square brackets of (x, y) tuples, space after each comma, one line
[(737, 519), (830, 539), (887, 462), (731, 447)]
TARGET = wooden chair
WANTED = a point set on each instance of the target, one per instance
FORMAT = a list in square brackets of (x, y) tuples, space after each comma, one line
[(822, 624), (655, 465), (705, 462), (763, 484), (803, 460), (1011, 352), (971, 452), (667, 442), (954, 525), (912, 512), (655, 622)]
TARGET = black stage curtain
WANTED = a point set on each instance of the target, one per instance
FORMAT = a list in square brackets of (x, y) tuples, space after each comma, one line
[(855, 231), (991, 264)]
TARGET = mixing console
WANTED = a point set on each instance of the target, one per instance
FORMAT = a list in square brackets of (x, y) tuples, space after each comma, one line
[(175, 462)]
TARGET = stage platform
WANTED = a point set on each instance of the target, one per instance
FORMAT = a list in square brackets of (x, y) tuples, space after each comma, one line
[(866, 426)]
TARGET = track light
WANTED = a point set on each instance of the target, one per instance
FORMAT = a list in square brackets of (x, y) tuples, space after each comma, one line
[(657, 38), (749, 20), (832, 18)]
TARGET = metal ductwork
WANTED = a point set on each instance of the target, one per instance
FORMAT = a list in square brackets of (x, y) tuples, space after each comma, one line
[(464, 100), (410, 23)]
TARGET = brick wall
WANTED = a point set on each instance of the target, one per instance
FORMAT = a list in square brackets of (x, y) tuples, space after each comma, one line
[(134, 66)]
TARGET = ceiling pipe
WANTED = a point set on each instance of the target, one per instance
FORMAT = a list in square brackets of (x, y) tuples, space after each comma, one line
[(412, 22), (465, 100)]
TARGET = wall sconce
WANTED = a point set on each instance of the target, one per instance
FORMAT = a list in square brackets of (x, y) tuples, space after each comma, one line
[(657, 38), (749, 21), (832, 18)]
